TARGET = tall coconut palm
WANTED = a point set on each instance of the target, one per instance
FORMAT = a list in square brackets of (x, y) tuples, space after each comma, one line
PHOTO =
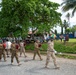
[(69, 4), (65, 25), (68, 17)]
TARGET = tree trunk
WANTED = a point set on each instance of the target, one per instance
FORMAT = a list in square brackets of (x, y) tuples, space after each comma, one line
[(61, 29)]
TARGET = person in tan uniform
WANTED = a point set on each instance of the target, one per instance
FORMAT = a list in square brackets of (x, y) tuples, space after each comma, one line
[(22, 48), (37, 49), (51, 53), (14, 53), (2, 52)]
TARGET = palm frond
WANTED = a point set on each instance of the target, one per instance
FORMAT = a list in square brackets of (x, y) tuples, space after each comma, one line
[(74, 10), (63, 3), (66, 8), (68, 4)]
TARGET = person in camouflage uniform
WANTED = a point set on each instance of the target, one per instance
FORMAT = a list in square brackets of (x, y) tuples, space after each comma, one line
[(2, 52), (37, 51), (14, 53), (22, 48), (51, 53)]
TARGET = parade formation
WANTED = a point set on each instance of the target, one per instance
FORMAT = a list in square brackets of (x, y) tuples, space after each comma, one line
[(15, 49)]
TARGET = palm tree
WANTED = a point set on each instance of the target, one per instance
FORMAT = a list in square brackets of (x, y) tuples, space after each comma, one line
[(65, 25), (68, 17), (62, 29), (69, 4)]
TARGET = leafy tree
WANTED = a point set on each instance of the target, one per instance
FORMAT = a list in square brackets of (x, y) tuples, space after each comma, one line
[(68, 30), (68, 17), (73, 29), (65, 25), (20, 15)]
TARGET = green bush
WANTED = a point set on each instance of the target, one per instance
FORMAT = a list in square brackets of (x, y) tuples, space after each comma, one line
[(44, 47), (29, 47), (59, 47), (64, 48)]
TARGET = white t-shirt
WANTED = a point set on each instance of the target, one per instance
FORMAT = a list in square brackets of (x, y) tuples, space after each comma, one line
[(8, 45)]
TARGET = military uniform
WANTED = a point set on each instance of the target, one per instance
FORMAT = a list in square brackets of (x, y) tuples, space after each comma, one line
[(22, 48), (14, 53), (50, 53), (2, 52), (37, 51)]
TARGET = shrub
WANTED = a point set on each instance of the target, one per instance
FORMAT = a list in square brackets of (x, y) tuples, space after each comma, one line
[(29, 47), (64, 48), (59, 47)]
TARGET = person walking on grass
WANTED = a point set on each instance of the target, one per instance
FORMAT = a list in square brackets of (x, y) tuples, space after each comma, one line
[(37, 49), (50, 53)]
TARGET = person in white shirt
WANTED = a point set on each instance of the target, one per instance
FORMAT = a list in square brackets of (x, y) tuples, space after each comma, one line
[(8, 47)]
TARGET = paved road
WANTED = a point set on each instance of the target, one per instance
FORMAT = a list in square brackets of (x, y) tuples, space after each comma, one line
[(31, 67)]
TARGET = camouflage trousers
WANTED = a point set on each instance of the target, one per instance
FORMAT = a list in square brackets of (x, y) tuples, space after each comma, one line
[(4, 55), (22, 50), (14, 54), (51, 54), (37, 51)]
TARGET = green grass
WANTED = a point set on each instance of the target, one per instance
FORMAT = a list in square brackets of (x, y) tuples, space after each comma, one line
[(66, 56), (72, 40)]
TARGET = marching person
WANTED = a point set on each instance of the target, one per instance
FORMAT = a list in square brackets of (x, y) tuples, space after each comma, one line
[(37, 51), (2, 52), (22, 48), (8, 47), (50, 53), (14, 53)]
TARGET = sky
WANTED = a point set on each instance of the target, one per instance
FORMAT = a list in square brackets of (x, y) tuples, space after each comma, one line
[(0, 0), (63, 17), (72, 20)]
